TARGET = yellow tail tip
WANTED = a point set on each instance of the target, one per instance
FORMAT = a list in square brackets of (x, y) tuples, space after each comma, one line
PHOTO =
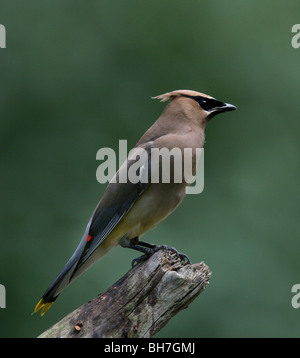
[(44, 305)]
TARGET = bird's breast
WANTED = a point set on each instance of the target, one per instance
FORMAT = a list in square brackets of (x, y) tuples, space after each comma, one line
[(156, 203)]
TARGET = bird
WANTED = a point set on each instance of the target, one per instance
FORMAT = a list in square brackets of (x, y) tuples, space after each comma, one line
[(127, 210)]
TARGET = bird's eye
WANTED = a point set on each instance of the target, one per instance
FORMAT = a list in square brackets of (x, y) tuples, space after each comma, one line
[(207, 104), (204, 105)]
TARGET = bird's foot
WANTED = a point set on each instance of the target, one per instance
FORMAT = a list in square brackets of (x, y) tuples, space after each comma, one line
[(183, 257), (150, 251)]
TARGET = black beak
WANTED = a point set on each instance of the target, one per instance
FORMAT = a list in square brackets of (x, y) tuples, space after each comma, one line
[(220, 108), (226, 107)]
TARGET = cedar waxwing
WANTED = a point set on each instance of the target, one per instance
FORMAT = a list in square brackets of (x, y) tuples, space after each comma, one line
[(127, 210)]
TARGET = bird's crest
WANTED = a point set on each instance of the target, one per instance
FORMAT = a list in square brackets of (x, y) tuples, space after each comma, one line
[(171, 95)]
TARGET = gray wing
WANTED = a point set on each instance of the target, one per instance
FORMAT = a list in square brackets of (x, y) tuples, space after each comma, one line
[(115, 203)]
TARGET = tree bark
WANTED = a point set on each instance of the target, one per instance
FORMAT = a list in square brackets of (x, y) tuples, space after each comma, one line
[(140, 303)]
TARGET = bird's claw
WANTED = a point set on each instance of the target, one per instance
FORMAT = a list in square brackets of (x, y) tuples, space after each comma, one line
[(139, 259), (183, 257)]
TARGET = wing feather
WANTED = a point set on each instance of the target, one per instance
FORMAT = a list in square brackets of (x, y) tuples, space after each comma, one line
[(114, 205)]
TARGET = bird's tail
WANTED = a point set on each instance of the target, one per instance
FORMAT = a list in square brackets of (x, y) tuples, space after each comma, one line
[(73, 269), (78, 263), (63, 279), (44, 305), (59, 284)]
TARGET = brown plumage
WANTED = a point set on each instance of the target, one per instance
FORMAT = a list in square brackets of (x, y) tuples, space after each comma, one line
[(128, 210)]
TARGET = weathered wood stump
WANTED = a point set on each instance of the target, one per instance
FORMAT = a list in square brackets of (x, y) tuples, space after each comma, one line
[(140, 303)]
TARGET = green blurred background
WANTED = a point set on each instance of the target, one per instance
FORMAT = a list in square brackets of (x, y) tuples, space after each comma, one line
[(77, 76)]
